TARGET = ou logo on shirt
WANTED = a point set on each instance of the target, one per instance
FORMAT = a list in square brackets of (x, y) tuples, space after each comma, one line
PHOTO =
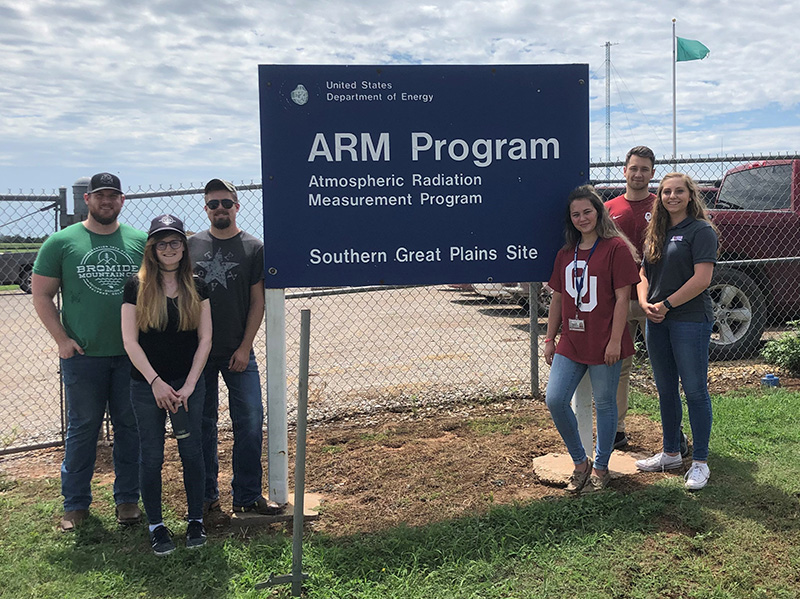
[(589, 291)]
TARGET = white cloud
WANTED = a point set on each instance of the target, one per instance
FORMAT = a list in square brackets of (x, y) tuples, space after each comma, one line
[(173, 84)]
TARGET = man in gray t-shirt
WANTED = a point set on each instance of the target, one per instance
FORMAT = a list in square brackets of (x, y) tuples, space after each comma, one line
[(231, 262)]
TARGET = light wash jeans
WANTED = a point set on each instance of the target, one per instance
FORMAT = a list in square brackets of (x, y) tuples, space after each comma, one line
[(565, 375), (679, 352), (91, 383)]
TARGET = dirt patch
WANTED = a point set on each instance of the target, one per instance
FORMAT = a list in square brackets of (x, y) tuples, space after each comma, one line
[(382, 470)]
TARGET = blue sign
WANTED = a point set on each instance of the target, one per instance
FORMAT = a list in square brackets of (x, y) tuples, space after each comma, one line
[(418, 174)]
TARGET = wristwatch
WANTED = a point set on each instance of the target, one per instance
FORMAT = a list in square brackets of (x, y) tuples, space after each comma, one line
[(667, 304)]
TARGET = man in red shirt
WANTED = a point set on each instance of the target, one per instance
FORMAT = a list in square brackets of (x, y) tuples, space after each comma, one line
[(631, 212)]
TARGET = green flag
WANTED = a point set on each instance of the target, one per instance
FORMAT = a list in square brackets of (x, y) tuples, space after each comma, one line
[(691, 50)]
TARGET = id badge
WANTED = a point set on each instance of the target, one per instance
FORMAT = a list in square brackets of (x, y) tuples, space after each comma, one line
[(576, 324)]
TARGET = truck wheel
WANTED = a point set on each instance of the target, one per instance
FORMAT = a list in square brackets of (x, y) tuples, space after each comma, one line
[(25, 280), (739, 315), (545, 296)]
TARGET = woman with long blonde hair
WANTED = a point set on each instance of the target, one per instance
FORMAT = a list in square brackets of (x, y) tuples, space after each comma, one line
[(166, 329), (680, 252)]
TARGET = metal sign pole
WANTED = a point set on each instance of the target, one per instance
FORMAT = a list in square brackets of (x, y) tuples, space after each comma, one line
[(277, 434), (297, 576)]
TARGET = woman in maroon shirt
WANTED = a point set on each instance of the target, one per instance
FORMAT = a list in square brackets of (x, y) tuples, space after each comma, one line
[(591, 282)]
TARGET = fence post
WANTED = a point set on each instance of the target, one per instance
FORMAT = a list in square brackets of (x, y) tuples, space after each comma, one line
[(534, 291)]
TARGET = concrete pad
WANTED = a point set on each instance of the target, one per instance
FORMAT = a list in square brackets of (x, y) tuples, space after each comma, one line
[(311, 504), (556, 468)]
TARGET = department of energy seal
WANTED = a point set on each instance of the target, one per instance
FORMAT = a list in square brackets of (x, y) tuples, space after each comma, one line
[(299, 95), (105, 269)]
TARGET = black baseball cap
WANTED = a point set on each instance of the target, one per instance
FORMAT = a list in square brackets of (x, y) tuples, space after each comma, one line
[(104, 181), (166, 222)]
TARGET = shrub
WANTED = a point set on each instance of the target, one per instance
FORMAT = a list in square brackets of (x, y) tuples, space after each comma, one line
[(785, 350)]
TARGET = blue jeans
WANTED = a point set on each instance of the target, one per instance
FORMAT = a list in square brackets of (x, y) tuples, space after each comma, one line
[(565, 375), (679, 351), (91, 383), (247, 415), (150, 419)]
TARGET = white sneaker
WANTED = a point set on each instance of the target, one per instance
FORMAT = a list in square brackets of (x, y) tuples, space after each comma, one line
[(697, 476), (660, 462)]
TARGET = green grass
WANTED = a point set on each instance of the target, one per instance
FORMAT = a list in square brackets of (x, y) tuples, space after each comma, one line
[(12, 247), (739, 537)]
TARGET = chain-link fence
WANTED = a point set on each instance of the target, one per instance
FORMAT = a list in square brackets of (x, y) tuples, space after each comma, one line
[(417, 348), (379, 348), (30, 389), (374, 349), (755, 205)]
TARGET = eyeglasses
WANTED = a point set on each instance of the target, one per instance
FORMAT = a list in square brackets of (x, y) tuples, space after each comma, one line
[(175, 244), (214, 204)]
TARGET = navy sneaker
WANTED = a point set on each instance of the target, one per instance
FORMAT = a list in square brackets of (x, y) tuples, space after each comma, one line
[(161, 541), (620, 440), (195, 535)]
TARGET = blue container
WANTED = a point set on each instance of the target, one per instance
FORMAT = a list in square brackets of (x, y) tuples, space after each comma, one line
[(770, 381)]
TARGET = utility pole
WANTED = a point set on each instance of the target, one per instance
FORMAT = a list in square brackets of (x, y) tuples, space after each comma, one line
[(608, 108)]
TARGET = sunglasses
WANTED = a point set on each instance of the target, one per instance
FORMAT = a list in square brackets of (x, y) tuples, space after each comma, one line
[(214, 204), (175, 244)]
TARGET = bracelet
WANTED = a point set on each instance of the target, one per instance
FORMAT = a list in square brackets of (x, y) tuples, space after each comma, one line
[(667, 304), (155, 378), (548, 340)]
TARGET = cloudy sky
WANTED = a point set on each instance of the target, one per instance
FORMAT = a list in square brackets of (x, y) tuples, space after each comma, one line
[(165, 93)]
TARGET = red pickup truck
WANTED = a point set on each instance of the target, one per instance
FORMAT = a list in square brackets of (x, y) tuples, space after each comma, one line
[(756, 209), (757, 213)]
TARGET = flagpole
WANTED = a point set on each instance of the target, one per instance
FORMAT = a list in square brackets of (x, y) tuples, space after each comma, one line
[(674, 103)]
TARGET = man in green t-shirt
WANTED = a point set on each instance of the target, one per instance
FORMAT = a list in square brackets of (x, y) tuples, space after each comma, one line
[(90, 262)]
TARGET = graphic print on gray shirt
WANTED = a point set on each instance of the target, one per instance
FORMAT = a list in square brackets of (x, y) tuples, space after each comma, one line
[(229, 267)]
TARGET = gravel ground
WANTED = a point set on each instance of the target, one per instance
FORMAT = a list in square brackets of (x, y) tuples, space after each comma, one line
[(398, 351)]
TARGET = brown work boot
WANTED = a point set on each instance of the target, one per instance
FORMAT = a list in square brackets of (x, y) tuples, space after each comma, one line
[(210, 508), (72, 519), (260, 506), (128, 514)]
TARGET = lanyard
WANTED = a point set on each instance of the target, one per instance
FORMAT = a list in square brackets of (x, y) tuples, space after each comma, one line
[(579, 280)]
